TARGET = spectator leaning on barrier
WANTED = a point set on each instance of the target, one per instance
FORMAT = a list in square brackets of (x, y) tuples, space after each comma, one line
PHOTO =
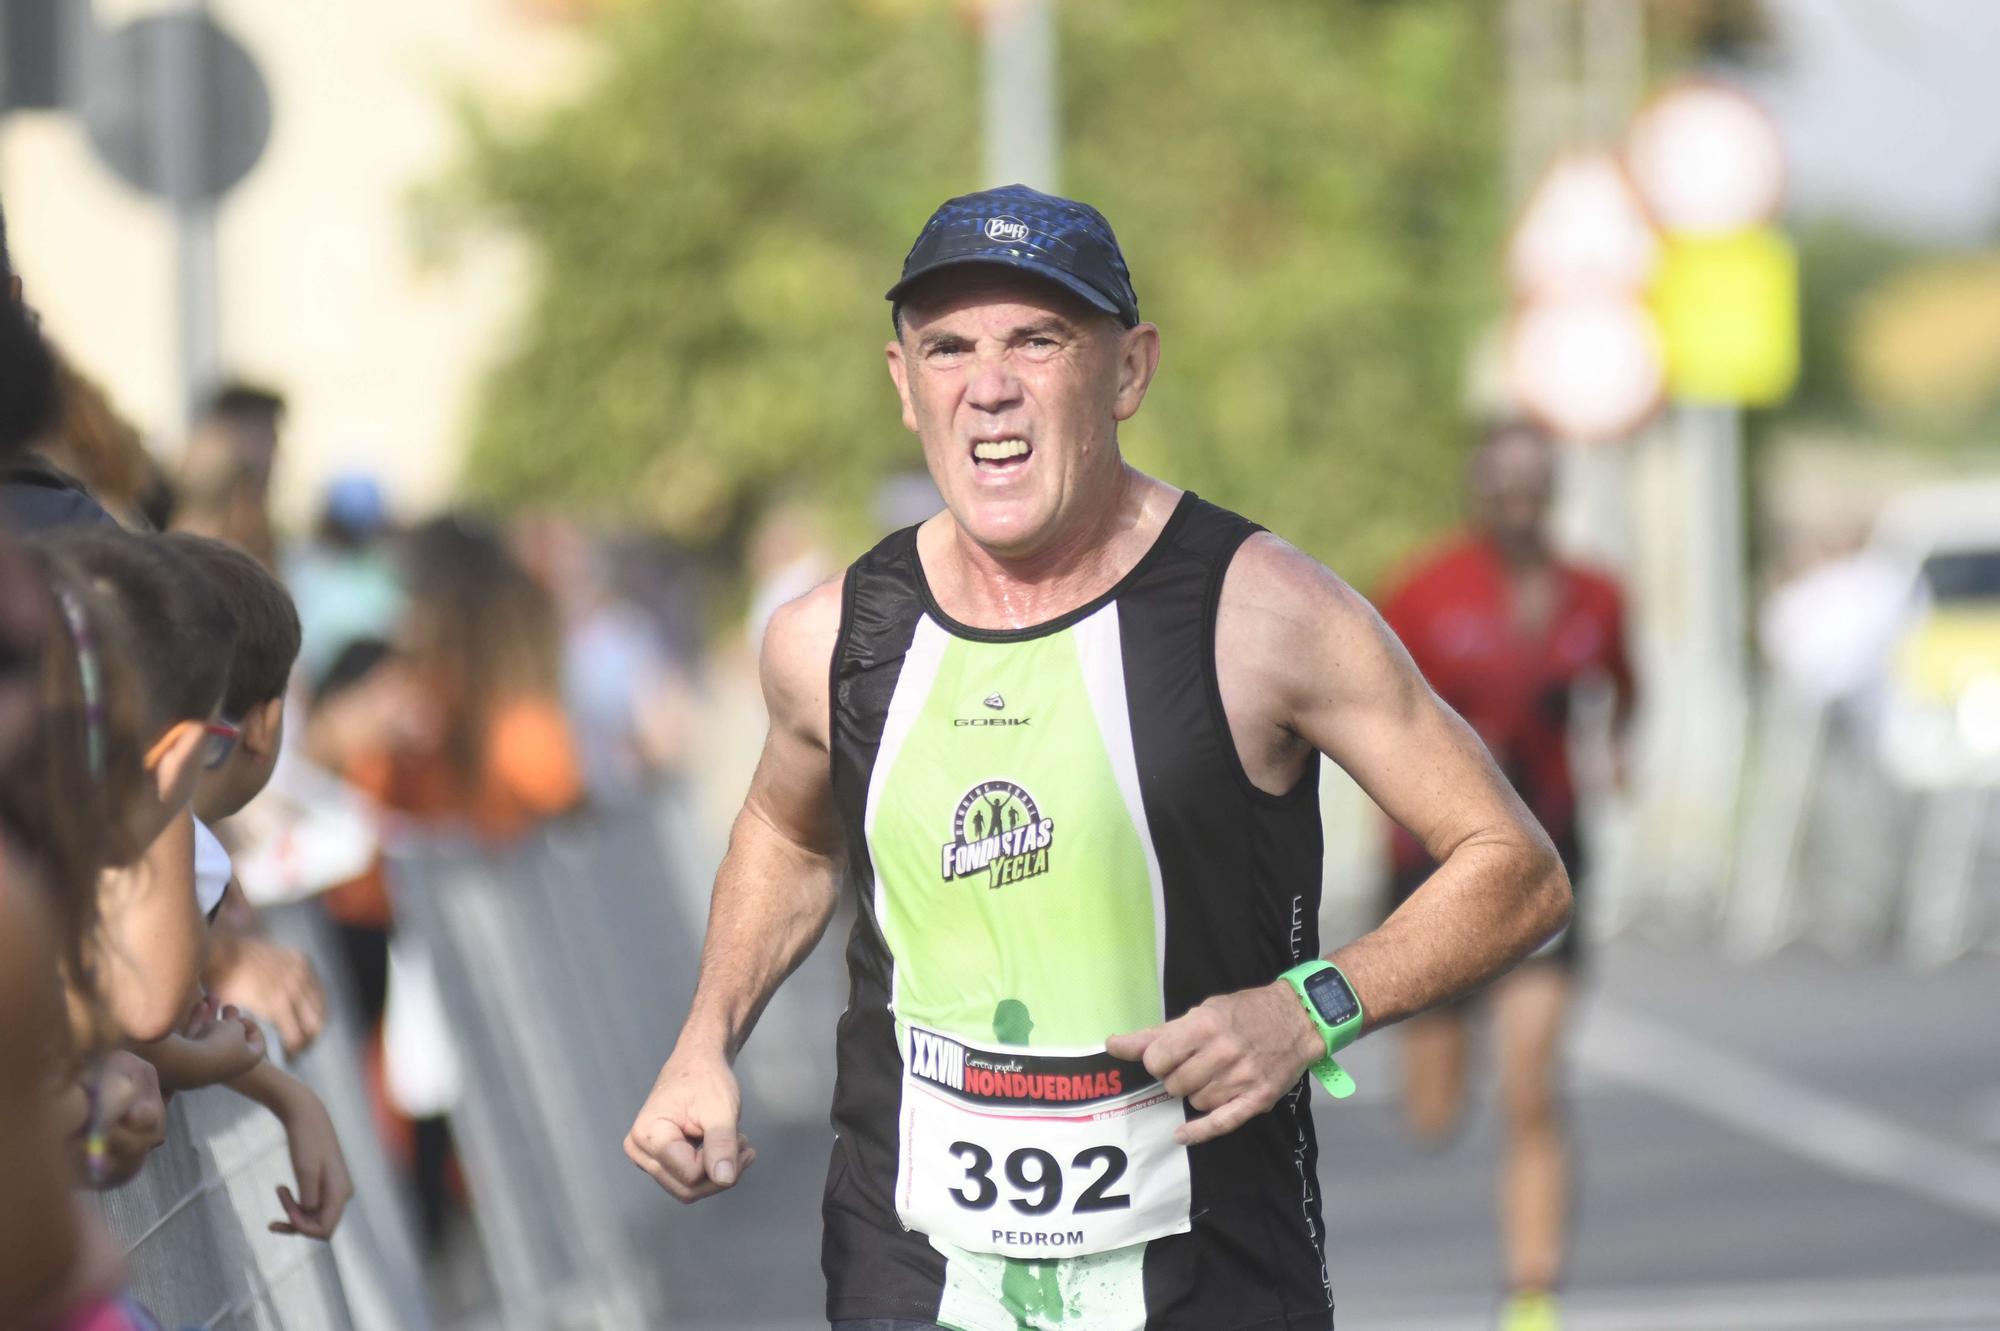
[(51, 1256), (38, 1232), (213, 1043), (183, 681), (65, 1117), (100, 1111), (54, 802), (44, 919), (179, 637), (177, 640), (244, 968), (76, 758), (209, 1048)]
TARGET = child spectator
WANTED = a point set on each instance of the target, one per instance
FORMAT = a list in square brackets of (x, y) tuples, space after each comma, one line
[(182, 636), (244, 968), (237, 766), (179, 635)]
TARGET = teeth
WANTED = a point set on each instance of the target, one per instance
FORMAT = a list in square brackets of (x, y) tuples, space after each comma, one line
[(999, 450)]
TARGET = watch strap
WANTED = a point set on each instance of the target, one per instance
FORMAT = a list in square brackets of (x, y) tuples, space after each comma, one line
[(1336, 1079)]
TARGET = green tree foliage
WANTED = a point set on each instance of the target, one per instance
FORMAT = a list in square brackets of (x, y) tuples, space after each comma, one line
[(717, 218), (1305, 189), (1307, 193)]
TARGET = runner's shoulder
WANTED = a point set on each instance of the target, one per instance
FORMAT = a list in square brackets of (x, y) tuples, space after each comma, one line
[(1295, 626), (798, 654), (1274, 588)]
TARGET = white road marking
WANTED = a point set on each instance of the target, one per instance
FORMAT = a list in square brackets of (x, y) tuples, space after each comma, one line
[(1942, 1304), (1902, 1304), (1838, 1134)]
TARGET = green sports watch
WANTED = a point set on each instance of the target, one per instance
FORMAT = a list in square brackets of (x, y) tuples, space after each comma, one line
[(1331, 1004)]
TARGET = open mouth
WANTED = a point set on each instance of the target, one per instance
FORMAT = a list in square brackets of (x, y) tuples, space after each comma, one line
[(1001, 454)]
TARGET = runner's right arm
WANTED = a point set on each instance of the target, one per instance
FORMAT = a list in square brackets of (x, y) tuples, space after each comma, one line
[(774, 894)]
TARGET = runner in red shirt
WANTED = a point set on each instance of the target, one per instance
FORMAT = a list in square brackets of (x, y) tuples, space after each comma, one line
[(1504, 631)]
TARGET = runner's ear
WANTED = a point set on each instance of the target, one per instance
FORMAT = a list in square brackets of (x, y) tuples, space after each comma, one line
[(1138, 358)]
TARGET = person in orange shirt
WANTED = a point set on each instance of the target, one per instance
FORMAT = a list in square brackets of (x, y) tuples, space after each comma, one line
[(487, 743)]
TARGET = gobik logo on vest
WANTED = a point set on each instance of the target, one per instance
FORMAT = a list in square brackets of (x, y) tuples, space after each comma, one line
[(998, 830)]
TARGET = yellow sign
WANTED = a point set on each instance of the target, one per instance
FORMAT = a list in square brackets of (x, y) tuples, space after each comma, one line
[(1728, 309)]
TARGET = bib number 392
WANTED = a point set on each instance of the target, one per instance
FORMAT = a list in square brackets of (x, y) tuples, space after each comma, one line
[(1036, 1154), (1037, 1182)]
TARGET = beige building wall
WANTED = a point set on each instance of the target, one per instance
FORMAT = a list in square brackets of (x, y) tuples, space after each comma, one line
[(322, 290)]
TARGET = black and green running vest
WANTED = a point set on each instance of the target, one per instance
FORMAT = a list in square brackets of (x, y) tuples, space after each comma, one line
[(1053, 841)]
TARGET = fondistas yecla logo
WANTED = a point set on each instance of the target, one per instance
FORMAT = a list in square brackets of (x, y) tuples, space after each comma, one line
[(998, 830)]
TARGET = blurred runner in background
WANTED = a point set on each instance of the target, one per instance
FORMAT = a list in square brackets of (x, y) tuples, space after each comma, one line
[(1504, 631)]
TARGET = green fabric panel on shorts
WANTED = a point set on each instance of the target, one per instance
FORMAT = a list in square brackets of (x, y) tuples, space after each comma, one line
[(1056, 943)]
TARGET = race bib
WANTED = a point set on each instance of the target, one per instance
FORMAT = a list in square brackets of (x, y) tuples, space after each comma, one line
[(1036, 1153)]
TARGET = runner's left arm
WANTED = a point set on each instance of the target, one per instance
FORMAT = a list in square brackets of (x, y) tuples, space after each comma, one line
[(1312, 667)]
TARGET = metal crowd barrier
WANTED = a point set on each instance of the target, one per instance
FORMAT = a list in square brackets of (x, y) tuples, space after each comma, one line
[(1830, 848), (556, 958), (376, 1247), (193, 1226)]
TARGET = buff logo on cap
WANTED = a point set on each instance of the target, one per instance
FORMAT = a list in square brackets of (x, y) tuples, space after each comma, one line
[(1006, 228)]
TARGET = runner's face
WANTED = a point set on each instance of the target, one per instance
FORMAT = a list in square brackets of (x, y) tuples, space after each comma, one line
[(1016, 389)]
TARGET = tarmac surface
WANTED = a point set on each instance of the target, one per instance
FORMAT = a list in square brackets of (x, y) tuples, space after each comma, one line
[(1802, 1144)]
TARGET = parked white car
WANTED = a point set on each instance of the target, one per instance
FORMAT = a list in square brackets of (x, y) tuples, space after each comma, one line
[(1940, 721)]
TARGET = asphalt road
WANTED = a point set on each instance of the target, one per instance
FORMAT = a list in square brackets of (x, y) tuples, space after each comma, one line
[(1801, 1145)]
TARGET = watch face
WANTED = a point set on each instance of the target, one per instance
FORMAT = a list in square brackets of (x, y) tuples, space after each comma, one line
[(1331, 998)]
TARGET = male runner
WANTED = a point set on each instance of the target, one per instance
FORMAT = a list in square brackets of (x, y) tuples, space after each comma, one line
[(1504, 631), (1084, 842)]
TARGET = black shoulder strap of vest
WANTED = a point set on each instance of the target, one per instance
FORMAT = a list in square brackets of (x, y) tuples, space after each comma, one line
[(1212, 533), (879, 605)]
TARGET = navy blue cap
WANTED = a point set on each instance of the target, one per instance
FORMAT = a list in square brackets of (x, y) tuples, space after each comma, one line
[(1067, 242)]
